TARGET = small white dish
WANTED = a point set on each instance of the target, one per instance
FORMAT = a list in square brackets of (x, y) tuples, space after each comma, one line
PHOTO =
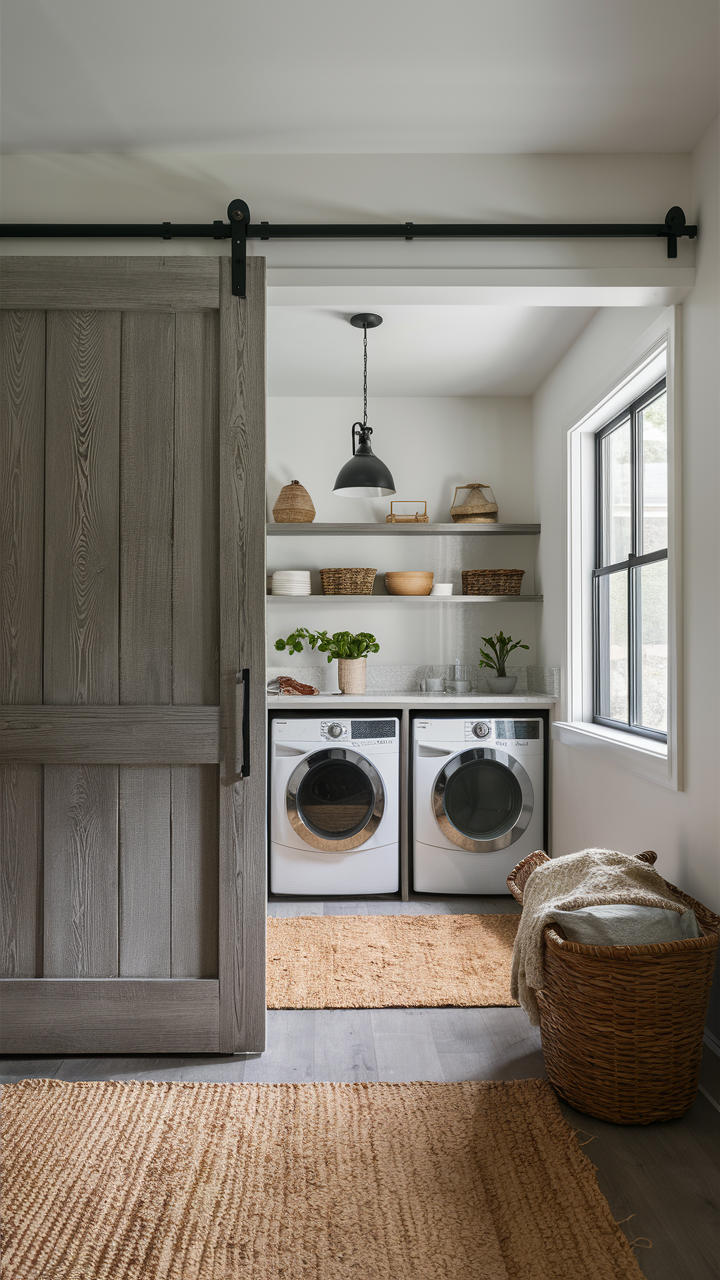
[(291, 582), (442, 589)]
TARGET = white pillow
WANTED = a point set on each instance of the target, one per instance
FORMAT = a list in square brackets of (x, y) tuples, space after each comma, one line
[(624, 924)]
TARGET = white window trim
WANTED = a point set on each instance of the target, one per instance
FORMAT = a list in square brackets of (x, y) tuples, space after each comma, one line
[(656, 355)]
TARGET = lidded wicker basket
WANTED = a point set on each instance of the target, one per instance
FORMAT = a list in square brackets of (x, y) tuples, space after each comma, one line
[(347, 582), (294, 505), (478, 506), (492, 582), (622, 1027)]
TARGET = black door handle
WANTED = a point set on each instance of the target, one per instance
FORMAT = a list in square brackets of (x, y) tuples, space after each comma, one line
[(242, 723)]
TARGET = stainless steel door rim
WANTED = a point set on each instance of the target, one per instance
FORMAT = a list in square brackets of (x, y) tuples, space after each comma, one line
[(519, 786), (357, 833)]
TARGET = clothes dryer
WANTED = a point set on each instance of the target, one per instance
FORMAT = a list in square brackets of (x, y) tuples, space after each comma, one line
[(478, 800), (334, 815)]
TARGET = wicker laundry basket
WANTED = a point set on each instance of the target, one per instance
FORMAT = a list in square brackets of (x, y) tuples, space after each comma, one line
[(492, 582), (347, 582), (622, 1027)]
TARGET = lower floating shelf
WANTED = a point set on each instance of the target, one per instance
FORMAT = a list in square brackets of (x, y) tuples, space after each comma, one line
[(443, 600)]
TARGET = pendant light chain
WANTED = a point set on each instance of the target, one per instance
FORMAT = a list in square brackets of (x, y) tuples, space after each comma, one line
[(365, 376)]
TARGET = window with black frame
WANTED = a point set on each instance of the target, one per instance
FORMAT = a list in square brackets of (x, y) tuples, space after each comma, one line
[(630, 582)]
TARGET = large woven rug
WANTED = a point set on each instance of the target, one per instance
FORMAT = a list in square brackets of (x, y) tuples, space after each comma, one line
[(476, 1181), (372, 962)]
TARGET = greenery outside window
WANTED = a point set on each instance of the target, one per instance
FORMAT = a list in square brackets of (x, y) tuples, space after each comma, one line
[(630, 579)]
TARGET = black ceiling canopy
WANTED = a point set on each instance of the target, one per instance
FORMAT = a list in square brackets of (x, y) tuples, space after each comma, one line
[(239, 229)]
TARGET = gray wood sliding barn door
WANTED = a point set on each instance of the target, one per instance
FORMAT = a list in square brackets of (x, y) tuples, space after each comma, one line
[(132, 733)]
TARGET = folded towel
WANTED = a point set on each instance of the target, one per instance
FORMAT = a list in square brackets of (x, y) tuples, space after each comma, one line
[(621, 924), (593, 877), (286, 684)]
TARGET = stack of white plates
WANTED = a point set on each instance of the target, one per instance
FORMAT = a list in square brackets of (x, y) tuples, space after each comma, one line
[(291, 582)]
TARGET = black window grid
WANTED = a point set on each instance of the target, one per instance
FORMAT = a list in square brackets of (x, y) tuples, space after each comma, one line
[(631, 567)]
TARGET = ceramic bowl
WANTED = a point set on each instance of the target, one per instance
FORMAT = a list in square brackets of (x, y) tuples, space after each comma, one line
[(410, 583)]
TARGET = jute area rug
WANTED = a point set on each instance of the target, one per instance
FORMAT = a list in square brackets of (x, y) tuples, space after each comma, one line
[(372, 962), (136, 1181)]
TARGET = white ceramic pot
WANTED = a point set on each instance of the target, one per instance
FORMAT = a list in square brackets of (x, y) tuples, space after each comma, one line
[(501, 684), (352, 674)]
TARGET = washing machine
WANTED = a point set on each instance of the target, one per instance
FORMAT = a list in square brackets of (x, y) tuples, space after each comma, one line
[(478, 800), (334, 808)]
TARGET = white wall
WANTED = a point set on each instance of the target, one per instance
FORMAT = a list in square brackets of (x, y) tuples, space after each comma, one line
[(594, 803), (431, 445)]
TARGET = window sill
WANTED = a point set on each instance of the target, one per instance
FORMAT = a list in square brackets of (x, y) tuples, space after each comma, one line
[(643, 756)]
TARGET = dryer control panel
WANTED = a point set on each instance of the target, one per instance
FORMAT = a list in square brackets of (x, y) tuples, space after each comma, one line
[(520, 731), (507, 733)]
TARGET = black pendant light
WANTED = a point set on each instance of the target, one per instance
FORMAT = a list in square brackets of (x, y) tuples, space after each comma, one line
[(364, 476)]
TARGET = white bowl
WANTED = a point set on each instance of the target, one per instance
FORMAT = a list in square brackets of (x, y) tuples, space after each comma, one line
[(442, 589)]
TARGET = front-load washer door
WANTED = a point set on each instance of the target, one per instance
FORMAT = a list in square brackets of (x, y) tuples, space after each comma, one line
[(335, 800), (483, 800)]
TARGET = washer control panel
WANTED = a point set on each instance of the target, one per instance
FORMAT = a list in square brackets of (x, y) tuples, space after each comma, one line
[(381, 734), (477, 729), (335, 730)]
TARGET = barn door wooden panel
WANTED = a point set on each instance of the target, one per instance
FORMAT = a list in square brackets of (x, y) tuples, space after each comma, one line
[(132, 885), (243, 695), (80, 640), (22, 488), (195, 641)]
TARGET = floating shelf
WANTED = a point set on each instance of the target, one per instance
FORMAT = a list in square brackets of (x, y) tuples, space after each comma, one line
[(399, 530), (443, 600)]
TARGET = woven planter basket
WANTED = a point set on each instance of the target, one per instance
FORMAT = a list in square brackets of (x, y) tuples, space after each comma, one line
[(492, 582), (622, 1027), (347, 582)]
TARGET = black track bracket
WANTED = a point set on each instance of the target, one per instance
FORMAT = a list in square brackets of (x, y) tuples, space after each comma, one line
[(239, 218)]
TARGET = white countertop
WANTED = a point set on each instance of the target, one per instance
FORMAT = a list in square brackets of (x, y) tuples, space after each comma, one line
[(402, 700)]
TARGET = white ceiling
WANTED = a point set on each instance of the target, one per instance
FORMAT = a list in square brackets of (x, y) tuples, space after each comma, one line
[(419, 350), (377, 76)]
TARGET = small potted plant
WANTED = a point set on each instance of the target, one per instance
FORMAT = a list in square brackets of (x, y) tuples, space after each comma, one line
[(499, 648), (351, 653)]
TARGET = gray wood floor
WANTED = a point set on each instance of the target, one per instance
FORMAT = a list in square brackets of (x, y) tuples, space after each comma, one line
[(666, 1175)]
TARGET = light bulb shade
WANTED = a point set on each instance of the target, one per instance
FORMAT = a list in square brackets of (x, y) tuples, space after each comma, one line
[(364, 476)]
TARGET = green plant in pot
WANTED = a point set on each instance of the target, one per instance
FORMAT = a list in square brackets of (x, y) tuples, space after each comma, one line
[(494, 657), (350, 651)]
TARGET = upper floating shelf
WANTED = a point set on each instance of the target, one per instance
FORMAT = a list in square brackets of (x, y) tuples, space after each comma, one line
[(393, 530)]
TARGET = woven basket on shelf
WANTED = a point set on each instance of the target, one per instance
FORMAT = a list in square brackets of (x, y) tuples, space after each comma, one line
[(347, 582), (622, 1027), (294, 505), (492, 582)]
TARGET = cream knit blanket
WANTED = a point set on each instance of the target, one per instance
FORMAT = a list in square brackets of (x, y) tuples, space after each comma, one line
[(587, 879)]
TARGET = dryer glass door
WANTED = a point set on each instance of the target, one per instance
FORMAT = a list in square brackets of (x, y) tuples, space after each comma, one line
[(335, 800), (483, 800)]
